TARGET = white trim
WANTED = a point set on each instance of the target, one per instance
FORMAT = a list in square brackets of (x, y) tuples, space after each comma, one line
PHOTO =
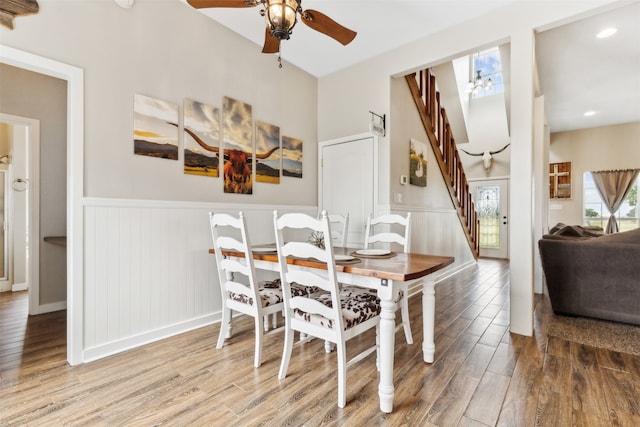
[(117, 346), (75, 183), (171, 204), (54, 306), (17, 287), (414, 208)]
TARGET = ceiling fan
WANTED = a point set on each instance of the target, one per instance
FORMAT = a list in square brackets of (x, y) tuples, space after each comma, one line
[(281, 17)]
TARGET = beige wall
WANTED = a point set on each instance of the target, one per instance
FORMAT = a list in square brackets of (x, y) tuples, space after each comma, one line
[(603, 148), (36, 96), (170, 51), (407, 125)]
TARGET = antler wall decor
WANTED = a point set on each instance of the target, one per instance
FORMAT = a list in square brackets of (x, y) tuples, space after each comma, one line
[(9, 9), (487, 156)]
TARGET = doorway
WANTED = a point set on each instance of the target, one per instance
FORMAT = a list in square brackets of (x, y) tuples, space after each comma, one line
[(491, 200), (75, 184), (348, 181)]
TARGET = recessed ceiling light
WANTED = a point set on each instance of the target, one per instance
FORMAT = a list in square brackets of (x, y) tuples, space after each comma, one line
[(607, 32), (589, 113)]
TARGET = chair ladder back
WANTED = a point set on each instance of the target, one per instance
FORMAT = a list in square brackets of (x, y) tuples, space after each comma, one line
[(228, 267), (324, 279), (392, 221), (339, 229)]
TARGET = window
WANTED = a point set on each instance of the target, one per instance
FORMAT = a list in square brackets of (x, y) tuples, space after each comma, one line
[(488, 207), (596, 213), (490, 67)]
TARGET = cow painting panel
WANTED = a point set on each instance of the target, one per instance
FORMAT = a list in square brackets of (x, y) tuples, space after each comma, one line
[(267, 141), (238, 151), (201, 138), (291, 157)]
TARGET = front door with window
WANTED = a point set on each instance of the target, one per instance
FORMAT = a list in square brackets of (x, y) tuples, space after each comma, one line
[(491, 199)]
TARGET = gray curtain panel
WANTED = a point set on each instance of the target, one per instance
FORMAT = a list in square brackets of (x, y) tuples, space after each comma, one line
[(613, 187)]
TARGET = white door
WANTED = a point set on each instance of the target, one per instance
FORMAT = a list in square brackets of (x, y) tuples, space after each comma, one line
[(348, 181), (491, 199)]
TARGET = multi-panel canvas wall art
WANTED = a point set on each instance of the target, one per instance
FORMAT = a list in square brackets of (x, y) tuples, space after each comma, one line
[(291, 157), (155, 128), (418, 163), (201, 138), (237, 129), (267, 153)]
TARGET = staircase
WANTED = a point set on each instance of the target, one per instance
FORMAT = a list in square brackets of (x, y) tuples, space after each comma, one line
[(434, 119)]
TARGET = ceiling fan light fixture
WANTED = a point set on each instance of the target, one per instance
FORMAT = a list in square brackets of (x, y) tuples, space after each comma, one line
[(281, 17)]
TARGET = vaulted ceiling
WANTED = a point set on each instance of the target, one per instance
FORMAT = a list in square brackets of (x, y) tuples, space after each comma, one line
[(577, 72)]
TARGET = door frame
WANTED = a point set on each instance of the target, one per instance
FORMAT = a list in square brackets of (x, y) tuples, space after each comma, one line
[(507, 181), (75, 185), (345, 140)]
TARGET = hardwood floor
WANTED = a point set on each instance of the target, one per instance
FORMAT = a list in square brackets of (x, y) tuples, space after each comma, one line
[(482, 375)]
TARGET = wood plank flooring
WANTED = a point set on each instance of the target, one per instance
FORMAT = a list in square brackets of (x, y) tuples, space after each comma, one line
[(482, 374)]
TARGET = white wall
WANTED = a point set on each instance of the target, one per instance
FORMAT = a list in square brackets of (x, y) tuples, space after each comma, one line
[(167, 50), (148, 273), (602, 148)]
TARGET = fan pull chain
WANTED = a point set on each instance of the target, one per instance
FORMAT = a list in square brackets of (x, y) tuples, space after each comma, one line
[(279, 60)]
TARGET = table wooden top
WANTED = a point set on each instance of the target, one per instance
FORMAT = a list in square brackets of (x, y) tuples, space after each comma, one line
[(401, 267)]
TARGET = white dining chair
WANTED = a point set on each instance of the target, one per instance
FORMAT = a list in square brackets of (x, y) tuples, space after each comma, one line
[(390, 229), (328, 316), (339, 229), (242, 294)]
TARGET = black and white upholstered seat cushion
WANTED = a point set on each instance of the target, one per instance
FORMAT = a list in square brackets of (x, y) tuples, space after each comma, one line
[(355, 310)]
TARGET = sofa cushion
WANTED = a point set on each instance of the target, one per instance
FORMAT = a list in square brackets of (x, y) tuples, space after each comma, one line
[(561, 229), (631, 236)]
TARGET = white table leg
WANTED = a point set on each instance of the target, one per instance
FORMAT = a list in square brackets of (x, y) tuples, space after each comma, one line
[(387, 342), (428, 319)]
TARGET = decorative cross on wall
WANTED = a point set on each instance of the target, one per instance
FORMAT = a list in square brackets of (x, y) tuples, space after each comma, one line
[(560, 180)]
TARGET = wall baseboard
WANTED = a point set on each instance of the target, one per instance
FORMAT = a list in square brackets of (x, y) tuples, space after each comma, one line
[(108, 349), (51, 307), (17, 287)]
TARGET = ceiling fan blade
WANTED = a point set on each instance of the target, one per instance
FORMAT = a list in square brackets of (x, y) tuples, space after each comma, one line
[(271, 44), (202, 4), (322, 23)]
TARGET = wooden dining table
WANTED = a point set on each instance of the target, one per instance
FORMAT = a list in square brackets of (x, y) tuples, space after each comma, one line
[(387, 275)]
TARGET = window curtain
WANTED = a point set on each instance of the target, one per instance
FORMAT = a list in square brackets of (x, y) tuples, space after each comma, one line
[(614, 186)]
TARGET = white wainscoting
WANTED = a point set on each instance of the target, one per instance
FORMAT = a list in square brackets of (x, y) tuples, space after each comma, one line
[(438, 232), (147, 271)]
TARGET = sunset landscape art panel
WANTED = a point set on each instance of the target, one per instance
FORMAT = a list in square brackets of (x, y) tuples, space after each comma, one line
[(291, 157), (155, 128), (267, 147)]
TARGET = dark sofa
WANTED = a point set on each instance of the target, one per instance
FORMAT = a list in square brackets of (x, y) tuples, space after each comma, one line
[(591, 275)]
